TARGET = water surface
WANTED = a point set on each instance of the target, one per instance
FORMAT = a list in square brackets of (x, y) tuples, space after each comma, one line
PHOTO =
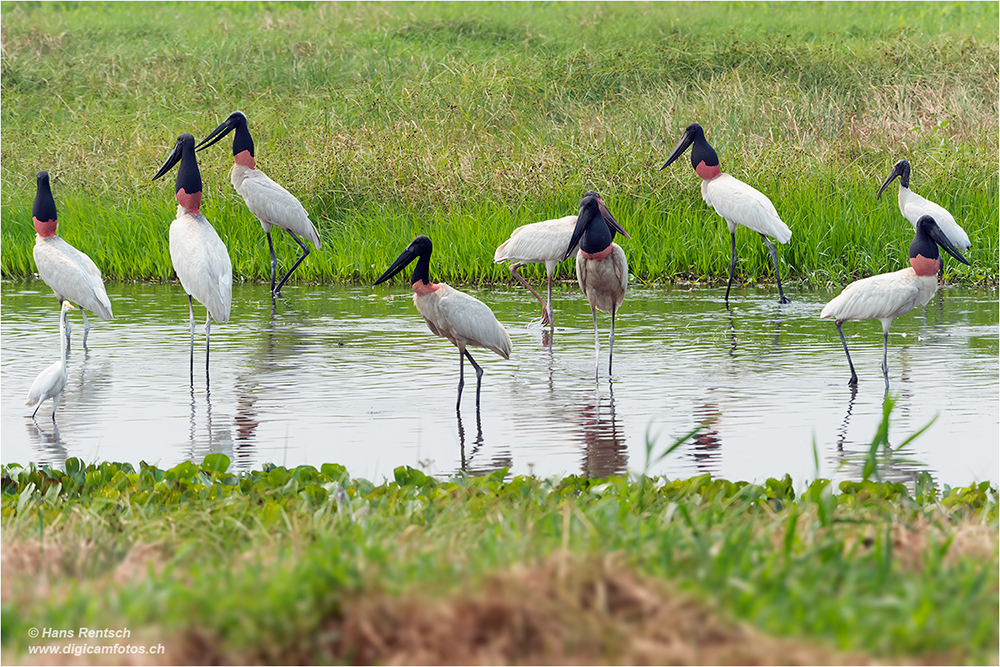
[(352, 375)]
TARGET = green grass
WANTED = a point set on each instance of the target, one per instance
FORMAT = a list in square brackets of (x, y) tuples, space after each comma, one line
[(257, 566), (463, 121)]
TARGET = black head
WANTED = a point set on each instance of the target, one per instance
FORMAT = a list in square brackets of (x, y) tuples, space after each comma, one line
[(900, 169), (587, 232), (188, 176), (241, 142), (926, 239), (702, 152), (421, 248), (44, 207)]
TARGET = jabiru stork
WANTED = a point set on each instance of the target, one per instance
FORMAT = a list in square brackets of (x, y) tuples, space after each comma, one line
[(70, 273), (601, 268), (51, 381), (733, 199), (268, 201), (199, 256), (538, 242), (886, 296), (464, 320), (913, 207)]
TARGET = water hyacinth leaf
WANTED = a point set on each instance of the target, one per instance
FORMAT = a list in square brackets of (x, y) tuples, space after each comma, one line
[(216, 463)]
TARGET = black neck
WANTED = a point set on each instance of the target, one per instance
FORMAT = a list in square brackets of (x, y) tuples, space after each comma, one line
[(44, 207), (422, 271), (242, 141), (188, 175)]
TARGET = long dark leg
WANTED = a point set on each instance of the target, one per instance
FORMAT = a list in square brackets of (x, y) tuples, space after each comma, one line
[(597, 343), (885, 358), (191, 319), (305, 253), (208, 332), (854, 376), (777, 276), (549, 315), (545, 307), (461, 378), (479, 376), (611, 341), (55, 404), (86, 326), (732, 265), (274, 260)]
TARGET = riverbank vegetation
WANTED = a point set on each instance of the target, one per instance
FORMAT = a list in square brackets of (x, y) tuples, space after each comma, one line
[(463, 121), (310, 565)]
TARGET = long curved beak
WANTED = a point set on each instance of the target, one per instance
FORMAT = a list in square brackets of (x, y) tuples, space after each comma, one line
[(935, 233), (896, 172), (401, 263), (686, 139), (172, 159), (225, 128)]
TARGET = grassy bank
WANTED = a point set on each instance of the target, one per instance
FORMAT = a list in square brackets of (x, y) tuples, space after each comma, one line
[(309, 565), (464, 121)]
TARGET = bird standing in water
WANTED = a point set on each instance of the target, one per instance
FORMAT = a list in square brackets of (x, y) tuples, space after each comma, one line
[(198, 254), (271, 203), (70, 273), (464, 320), (601, 268), (886, 296), (51, 381), (733, 199)]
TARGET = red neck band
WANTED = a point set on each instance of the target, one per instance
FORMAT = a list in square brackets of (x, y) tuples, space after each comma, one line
[(45, 229)]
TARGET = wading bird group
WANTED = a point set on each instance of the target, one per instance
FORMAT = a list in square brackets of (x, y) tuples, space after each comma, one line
[(203, 266)]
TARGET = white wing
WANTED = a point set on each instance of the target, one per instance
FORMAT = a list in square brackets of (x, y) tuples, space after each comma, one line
[(202, 263), (913, 207), (273, 204), (49, 383), (71, 275), (880, 297), (544, 241), (463, 319), (741, 204)]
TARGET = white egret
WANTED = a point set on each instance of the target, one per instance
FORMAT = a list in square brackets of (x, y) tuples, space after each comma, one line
[(51, 381)]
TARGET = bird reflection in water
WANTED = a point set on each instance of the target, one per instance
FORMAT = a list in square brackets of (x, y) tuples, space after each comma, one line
[(219, 440), (500, 461), (706, 445), (48, 445), (890, 466), (605, 452)]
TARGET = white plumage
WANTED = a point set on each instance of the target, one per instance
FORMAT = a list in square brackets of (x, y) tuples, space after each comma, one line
[(741, 204), (202, 263), (462, 319), (604, 282), (51, 381), (272, 204), (913, 207), (538, 242)]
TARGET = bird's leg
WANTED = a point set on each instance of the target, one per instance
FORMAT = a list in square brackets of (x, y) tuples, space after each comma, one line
[(274, 259), (191, 319), (479, 376), (208, 332), (597, 343), (549, 315), (732, 265), (86, 326), (37, 405), (854, 376), (55, 404), (461, 378), (545, 307), (611, 342), (305, 253), (885, 358), (777, 276)]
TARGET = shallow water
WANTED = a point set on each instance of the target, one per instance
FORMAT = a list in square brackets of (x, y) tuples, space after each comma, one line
[(352, 375)]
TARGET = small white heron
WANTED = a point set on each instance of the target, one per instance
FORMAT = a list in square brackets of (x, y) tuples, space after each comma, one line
[(886, 296), (70, 273), (733, 199), (538, 242), (51, 381), (464, 320), (601, 268), (198, 254), (913, 207), (271, 203)]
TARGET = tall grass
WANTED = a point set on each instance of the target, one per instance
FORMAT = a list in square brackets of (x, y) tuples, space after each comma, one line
[(464, 121)]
